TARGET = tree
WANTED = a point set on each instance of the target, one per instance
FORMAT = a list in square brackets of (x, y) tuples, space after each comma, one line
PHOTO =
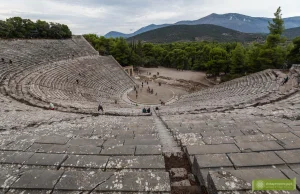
[(17, 27), (29, 28), (5, 29), (139, 49), (121, 51), (277, 27), (294, 55), (272, 55), (18, 30), (218, 60), (42, 28), (59, 31), (252, 62), (238, 60)]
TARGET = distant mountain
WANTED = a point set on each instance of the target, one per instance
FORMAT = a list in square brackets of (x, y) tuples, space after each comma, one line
[(232, 21), (241, 22), (202, 32), (114, 34), (292, 33)]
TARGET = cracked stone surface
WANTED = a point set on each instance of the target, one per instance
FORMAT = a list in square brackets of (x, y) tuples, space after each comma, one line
[(42, 159), (55, 139), (118, 150), (74, 161), (136, 162), (85, 150), (85, 161), (148, 150), (48, 148), (11, 157), (8, 177), (38, 179), (81, 180)]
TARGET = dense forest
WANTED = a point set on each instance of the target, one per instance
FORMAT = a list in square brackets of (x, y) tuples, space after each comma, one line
[(17, 27), (231, 59)]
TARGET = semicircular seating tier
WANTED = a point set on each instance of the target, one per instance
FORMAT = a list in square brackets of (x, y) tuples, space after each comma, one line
[(68, 73), (256, 89)]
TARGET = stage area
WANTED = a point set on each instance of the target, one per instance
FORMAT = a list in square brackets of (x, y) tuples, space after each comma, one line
[(162, 92), (173, 84), (174, 74)]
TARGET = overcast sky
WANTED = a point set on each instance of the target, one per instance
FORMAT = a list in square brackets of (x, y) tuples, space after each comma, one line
[(102, 16)]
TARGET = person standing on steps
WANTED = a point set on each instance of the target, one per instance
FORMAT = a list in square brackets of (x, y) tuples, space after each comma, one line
[(144, 110), (100, 108), (286, 79), (51, 106)]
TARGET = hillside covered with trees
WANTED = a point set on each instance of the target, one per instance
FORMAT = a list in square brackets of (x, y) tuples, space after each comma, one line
[(292, 33), (231, 58), (17, 27), (203, 32)]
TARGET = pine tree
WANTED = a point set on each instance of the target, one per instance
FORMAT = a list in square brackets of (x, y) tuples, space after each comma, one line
[(272, 55), (238, 60), (277, 27)]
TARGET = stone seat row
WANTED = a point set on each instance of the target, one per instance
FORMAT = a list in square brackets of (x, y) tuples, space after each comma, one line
[(68, 74), (260, 88), (229, 150)]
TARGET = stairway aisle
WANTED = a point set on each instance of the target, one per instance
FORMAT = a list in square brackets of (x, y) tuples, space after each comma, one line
[(165, 137)]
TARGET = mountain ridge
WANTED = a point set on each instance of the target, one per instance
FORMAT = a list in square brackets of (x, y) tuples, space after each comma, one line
[(234, 21)]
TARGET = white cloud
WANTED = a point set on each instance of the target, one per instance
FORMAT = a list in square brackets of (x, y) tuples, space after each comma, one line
[(85, 16)]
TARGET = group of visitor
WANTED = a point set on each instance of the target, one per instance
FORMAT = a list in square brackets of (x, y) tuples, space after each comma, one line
[(148, 110), (149, 90)]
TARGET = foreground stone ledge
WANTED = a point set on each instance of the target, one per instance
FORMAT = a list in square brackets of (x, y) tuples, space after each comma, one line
[(137, 182), (239, 180)]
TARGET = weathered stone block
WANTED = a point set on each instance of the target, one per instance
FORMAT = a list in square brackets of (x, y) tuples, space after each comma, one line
[(38, 179), (255, 159), (212, 149), (86, 161), (136, 162)]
